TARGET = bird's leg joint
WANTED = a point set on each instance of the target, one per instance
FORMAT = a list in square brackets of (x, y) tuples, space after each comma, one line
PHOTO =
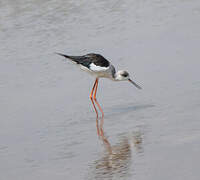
[(91, 96)]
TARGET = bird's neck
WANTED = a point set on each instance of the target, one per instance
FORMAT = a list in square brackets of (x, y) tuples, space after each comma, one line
[(116, 77)]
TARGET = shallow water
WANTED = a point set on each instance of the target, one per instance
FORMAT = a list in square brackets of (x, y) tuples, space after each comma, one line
[(48, 126)]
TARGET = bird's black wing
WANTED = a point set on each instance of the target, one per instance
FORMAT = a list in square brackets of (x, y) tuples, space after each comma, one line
[(98, 60), (87, 59)]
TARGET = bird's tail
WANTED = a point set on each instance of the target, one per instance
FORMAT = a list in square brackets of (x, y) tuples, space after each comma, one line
[(76, 59), (66, 56)]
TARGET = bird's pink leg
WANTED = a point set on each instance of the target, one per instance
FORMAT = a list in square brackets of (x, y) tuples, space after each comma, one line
[(95, 99), (91, 97)]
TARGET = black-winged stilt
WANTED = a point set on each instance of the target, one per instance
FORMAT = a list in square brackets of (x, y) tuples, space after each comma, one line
[(100, 67)]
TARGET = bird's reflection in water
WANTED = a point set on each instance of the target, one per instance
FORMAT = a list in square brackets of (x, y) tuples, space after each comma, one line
[(116, 160)]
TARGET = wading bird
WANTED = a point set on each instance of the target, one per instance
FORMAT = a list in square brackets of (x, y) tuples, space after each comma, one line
[(100, 67)]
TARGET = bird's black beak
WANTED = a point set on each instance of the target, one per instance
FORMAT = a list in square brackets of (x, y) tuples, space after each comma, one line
[(134, 84)]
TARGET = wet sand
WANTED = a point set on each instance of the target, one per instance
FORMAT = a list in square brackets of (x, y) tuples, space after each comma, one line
[(48, 126)]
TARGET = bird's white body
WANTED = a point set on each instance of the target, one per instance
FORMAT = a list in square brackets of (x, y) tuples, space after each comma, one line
[(100, 72)]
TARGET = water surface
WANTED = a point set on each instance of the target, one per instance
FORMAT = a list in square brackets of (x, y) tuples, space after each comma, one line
[(48, 126)]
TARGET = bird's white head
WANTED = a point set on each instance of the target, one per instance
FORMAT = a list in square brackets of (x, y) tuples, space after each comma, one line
[(124, 76), (121, 75)]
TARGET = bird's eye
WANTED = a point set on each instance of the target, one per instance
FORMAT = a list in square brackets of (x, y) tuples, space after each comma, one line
[(125, 74)]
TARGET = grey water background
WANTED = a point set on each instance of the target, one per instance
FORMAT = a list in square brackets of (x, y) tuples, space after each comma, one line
[(47, 124)]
